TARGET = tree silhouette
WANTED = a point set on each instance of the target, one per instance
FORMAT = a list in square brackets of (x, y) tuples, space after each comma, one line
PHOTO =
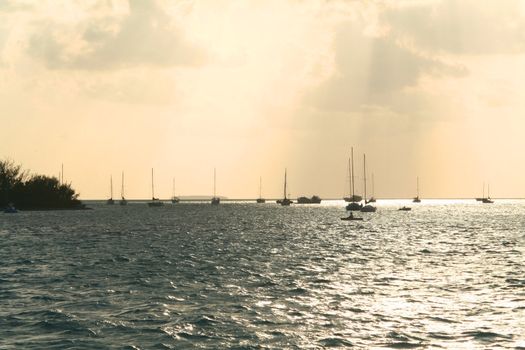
[(34, 191)]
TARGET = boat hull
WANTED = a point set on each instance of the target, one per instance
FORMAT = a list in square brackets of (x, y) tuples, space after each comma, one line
[(353, 206), (306, 200), (368, 209), (354, 198), (285, 202)]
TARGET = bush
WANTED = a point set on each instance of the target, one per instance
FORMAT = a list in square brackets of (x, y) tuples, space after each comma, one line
[(34, 191)]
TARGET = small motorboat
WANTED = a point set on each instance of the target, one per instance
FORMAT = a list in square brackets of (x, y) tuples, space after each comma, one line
[(405, 209), (352, 218), (10, 209)]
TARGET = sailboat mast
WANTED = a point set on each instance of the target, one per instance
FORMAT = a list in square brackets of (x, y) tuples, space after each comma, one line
[(214, 182), (122, 188), (349, 178), (364, 174), (373, 189), (111, 185), (285, 183), (152, 187), (352, 174)]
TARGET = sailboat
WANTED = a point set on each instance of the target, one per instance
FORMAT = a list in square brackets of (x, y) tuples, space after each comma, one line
[(155, 202), (416, 198), (285, 201), (110, 201), (215, 200), (174, 199), (487, 199), (123, 200), (260, 199), (353, 205), (353, 197), (367, 208)]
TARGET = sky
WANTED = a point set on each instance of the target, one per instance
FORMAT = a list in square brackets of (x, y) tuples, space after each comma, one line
[(433, 89)]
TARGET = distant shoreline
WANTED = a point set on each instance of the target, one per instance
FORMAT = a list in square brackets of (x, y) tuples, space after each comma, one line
[(57, 209), (182, 199)]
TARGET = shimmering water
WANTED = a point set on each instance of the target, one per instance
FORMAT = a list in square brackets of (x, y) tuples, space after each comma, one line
[(246, 276)]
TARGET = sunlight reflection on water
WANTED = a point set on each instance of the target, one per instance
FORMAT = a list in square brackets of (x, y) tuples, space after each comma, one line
[(446, 274)]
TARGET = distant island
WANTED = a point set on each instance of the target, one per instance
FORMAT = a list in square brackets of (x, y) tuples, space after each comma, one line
[(34, 192)]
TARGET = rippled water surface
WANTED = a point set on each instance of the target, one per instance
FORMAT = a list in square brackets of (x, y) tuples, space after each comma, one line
[(445, 275)]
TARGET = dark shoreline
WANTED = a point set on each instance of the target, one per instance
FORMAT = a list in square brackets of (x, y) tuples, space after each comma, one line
[(55, 209)]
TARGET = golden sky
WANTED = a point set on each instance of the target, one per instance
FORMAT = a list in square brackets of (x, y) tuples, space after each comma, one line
[(428, 88)]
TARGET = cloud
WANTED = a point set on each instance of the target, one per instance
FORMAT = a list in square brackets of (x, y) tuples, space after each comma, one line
[(12, 6), (374, 71), (466, 27), (145, 36), (414, 41)]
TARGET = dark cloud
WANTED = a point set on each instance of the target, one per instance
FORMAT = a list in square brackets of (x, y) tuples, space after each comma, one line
[(379, 71), (462, 27), (147, 36), (373, 71)]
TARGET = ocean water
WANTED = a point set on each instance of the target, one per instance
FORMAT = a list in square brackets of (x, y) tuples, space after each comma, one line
[(448, 274)]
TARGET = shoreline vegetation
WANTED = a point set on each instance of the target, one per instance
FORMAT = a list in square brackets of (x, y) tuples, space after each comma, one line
[(27, 191)]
